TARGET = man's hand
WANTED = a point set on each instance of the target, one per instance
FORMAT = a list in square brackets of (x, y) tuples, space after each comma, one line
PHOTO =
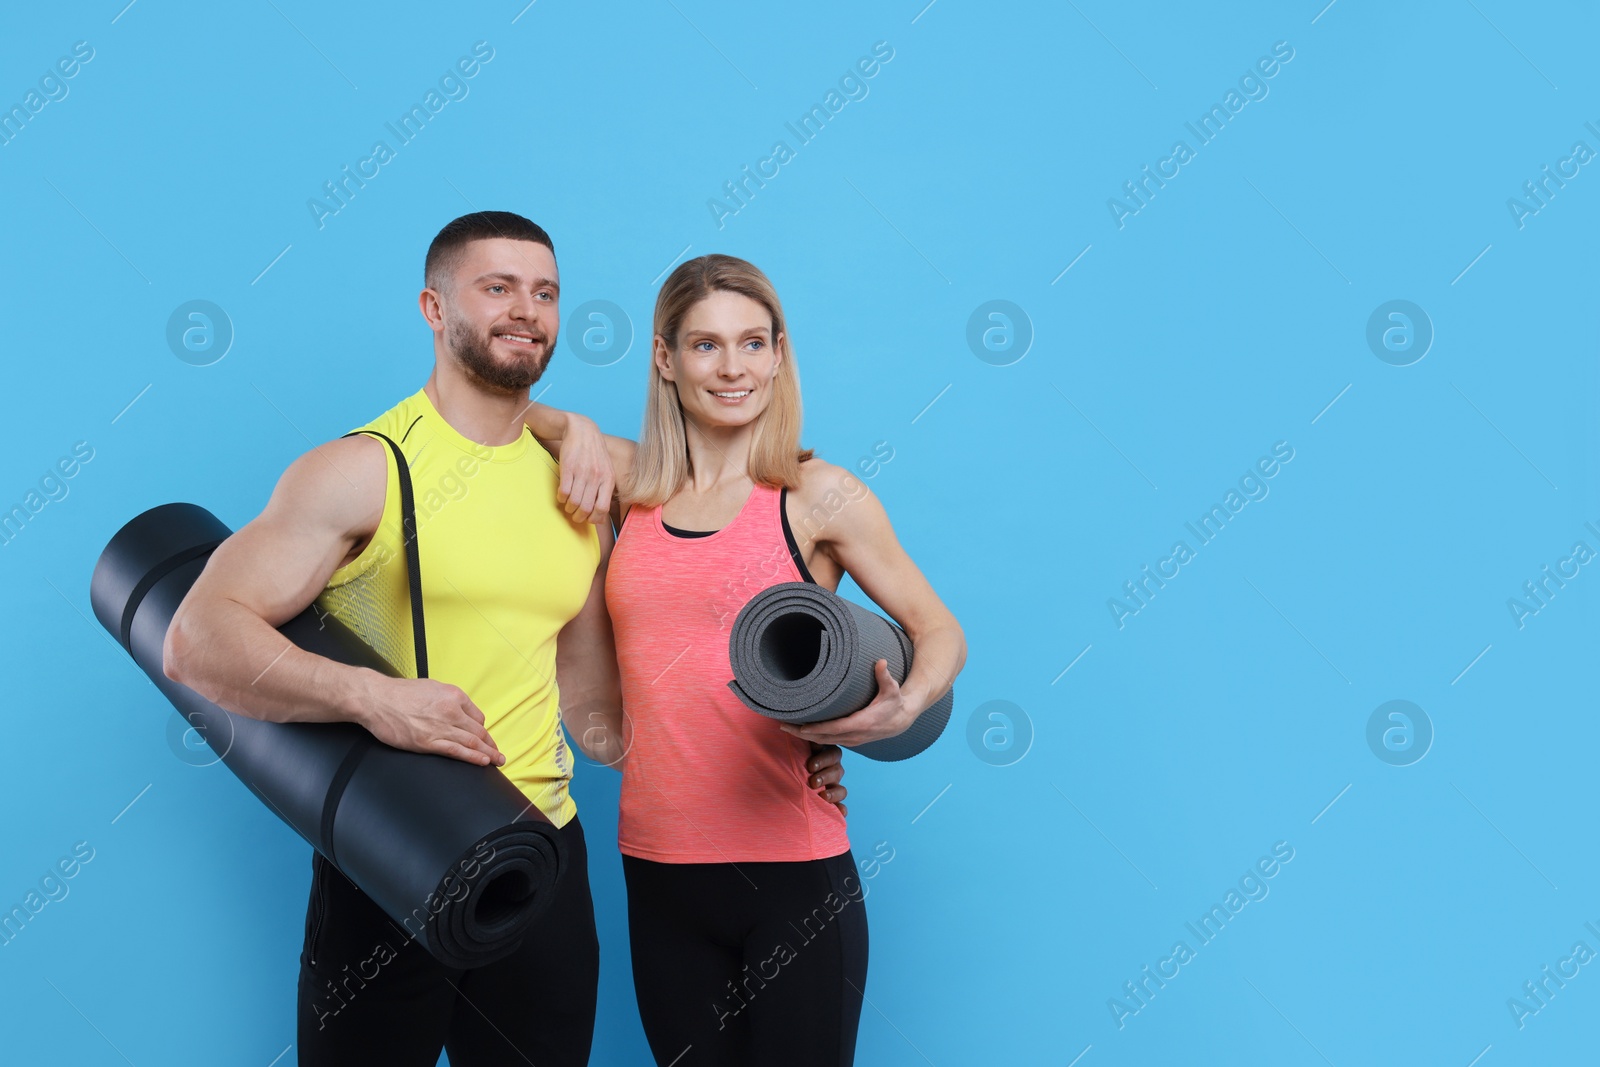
[(827, 773), (889, 715), (586, 475), (424, 715)]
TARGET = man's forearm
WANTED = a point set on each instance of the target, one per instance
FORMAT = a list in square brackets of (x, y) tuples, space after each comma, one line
[(597, 730), (235, 659), (591, 687)]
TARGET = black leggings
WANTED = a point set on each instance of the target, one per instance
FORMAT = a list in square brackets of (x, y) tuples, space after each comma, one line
[(748, 963), (370, 994)]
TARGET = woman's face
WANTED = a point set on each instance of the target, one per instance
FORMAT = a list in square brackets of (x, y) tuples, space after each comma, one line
[(725, 361)]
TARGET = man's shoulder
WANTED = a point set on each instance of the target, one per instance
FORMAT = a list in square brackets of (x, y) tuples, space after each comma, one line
[(397, 421), (339, 483), (353, 464)]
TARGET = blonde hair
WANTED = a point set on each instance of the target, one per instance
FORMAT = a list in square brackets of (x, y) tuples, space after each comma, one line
[(661, 465)]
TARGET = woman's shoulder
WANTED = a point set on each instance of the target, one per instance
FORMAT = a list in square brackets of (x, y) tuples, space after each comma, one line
[(819, 479)]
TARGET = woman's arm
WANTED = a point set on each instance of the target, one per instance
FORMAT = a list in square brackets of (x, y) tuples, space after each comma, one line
[(858, 536), (593, 464)]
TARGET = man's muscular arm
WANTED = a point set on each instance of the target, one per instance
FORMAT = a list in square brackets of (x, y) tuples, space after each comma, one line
[(586, 673), (223, 642)]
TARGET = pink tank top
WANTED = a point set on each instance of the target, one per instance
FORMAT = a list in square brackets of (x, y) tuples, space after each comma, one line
[(706, 779)]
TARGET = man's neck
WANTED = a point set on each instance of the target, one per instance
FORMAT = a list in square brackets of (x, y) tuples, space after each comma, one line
[(475, 413)]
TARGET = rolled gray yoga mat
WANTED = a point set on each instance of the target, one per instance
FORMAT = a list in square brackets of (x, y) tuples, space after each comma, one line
[(803, 654), (452, 851)]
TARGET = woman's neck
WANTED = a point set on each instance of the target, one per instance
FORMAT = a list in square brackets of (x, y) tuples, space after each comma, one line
[(718, 455)]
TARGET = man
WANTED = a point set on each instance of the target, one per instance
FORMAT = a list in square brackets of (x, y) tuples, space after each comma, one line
[(513, 599)]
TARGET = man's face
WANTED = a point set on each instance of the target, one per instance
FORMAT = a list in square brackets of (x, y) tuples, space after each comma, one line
[(501, 311)]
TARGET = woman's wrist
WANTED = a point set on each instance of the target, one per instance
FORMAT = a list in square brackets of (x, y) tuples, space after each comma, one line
[(914, 700)]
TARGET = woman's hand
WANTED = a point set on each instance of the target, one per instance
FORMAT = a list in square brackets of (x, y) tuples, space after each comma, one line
[(889, 715), (587, 478), (826, 771)]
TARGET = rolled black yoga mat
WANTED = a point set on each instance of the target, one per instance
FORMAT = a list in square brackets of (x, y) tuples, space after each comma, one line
[(803, 654), (452, 851)]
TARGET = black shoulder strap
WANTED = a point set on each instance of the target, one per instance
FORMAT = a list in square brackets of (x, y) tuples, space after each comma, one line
[(408, 525), (788, 538)]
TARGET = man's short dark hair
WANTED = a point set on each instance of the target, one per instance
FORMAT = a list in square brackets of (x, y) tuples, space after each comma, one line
[(478, 226)]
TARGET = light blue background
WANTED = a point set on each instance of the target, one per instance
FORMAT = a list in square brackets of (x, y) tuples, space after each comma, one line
[(1223, 317)]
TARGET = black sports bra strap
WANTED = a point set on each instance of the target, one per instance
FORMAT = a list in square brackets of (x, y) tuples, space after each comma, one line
[(408, 524)]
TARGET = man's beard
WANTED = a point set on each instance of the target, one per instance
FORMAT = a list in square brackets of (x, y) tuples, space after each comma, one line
[(472, 351)]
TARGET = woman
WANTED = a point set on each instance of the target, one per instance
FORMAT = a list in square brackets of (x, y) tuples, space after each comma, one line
[(746, 920)]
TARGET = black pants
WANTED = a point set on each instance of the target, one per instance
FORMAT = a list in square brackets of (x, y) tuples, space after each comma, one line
[(370, 994), (750, 963)]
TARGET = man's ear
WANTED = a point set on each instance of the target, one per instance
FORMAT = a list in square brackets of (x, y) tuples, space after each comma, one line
[(431, 305), (661, 357)]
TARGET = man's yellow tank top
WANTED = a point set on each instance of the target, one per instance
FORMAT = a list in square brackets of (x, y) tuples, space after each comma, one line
[(503, 570)]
